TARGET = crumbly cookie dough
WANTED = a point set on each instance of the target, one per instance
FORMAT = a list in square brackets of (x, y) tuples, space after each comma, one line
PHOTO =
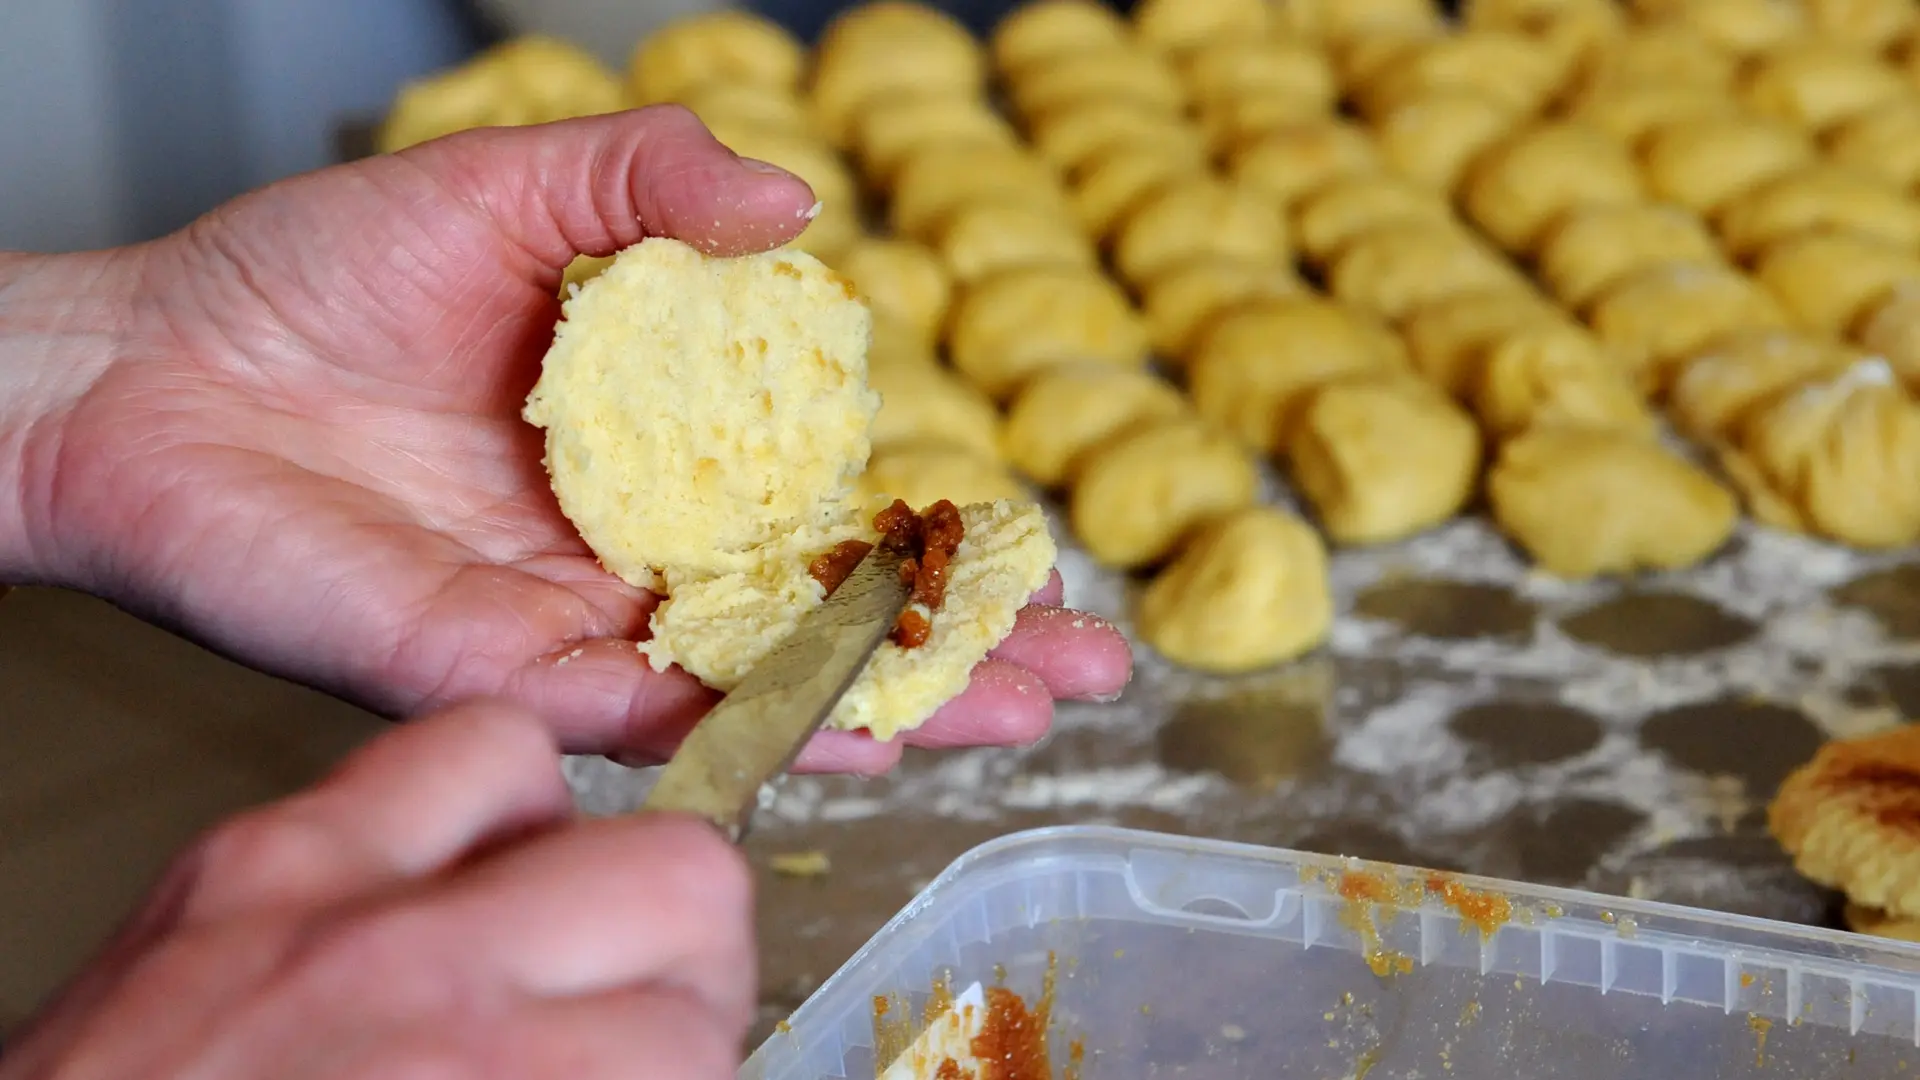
[(1433, 138), (991, 237), (1838, 458), (902, 280), (1383, 457), (1184, 299), (1248, 592), (1585, 502), (1067, 412), (1520, 188), (1290, 163), (1555, 373), (1828, 281), (1595, 247), (528, 80), (715, 48), (1010, 326), (1139, 496), (1843, 817), (1194, 217), (1256, 366), (1823, 198), (930, 405), (1331, 217), (1700, 163), (1396, 269), (1658, 317), (1715, 390)]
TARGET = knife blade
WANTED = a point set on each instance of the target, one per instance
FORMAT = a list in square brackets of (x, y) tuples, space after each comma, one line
[(757, 730)]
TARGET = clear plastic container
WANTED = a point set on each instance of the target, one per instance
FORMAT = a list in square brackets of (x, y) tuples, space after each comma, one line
[(1200, 960)]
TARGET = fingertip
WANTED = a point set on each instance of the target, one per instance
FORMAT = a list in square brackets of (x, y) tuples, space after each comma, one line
[(1079, 656), (1003, 705)]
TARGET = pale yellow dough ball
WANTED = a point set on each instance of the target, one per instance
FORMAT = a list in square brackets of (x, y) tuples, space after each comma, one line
[(1432, 139), (1069, 137), (1256, 365), (1139, 496), (881, 50), (1816, 84), (1522, 187), (1874, 25), (1884, 142), (1334, 216), (1383, 457), (1570, 34), (1819, 198), (927, 405), (1175, 26), (1594, 247), (1232, 123), (1828, 281), (727, 47), (1584, 503), (1446, 340), (1248, 592), (891, 131), (987, 238), (1182, 301), (1008, 327), (894, 345), (1238, 67), (1107, 188), (1134, 76), (1657, 318), (1338, 20), (1042, 31), (1740, 27), (934, 183), (1701, 163), (901, 280), (1660, 54), (1290, 163), (697, 409), (1838, 458), (1510, 68), (1194, 217), (1716, 390), (1555, 374), (1891, 329), (923, 473), (1392, 270), (1628, 113), (1065, 413)]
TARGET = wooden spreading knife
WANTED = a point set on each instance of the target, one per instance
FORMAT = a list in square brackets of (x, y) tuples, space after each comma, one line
[(754, 734)]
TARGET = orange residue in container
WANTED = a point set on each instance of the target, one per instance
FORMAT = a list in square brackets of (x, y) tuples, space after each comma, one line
[(1364, 891), (1486, 911), (1761, 1026)]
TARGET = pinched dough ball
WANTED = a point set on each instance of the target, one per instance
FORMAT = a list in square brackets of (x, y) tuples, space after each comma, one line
[(1817, 84), (923, 473), (1595, 246), (1715, 390), (938, 181), (902, 281), (1232, 68), (928, 405), (719, 47), (1335, 215), (880, 50), (1447, 339), (1194, 217), (1134, 76), (1107, 188), (1230, 124), (1175, 26), (1433, 138), (1585, 502), (894, 345), (1383, 457), (1520, 188), (698, 410), (1820, 198), (1139, 496), (1361, 58), (1508, 67), (1074, 135), (1701, 163), (529, 80), (1394, 269), (1829, 281), (1185, 298), (1569, 32), (1555, 374), (1290, 163), (1249, 592), (1043, 31), (1883, 141), (739, 105), (891, 131), (1660, 316), (1874, 25), (1838, 458), (1661, 54), (1340, 20), (1009, 326), (1066, 412), (1628, 113), (1891, 329), (987, 238), (1255, 366), (1741, 27)]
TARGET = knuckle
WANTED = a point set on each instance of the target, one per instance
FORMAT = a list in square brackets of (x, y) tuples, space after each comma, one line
[(256, 855)]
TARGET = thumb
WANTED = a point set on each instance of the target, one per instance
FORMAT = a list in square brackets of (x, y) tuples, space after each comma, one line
[(598, 184)]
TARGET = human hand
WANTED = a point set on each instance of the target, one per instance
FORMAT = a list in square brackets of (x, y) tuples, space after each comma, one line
[(306, 447), (429, 910)]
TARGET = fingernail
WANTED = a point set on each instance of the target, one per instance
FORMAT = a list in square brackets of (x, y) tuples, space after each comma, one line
[(765, 168)]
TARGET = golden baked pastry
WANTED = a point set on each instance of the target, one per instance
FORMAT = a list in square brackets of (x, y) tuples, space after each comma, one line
[(1175, 26), (1253, 369), (1382, 457), (1521, 188), (1108, 187), (927, 405), (902, 280), (1139, 496), (934, 183), (726, 47), (1884, 141), (1067, 412), (1819, 198), (1594, 247), (1010, 326), (1554, 374), (1194, 217), (1287, 164), (1396, 268), (1433, 138), (1447, 340), (1701, 163), (1838, 458), (1584, 502), (1183, 300), (1657, 318), (1844, 818), (1828, 281), (1817, 84), (1042, 31), (1713, 392), (1248, 592), (528, 80), (1333, 216), (889, 132)]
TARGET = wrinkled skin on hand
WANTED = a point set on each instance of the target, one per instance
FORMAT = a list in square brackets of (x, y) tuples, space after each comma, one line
[(304, 446)]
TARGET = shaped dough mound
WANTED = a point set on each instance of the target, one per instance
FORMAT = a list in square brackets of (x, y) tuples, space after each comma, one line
[(718, 628), (1250, 591), (697, 409), (1846, 818), (1382, 457), (1140, 495)]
